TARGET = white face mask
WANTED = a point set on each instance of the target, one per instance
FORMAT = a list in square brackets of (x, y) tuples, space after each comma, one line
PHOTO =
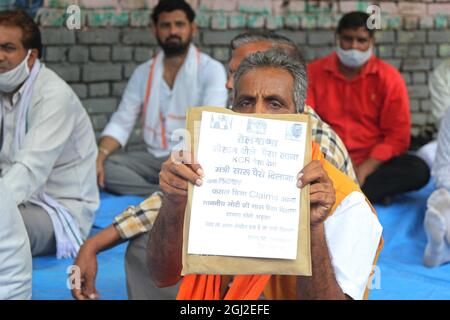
[(11, 79), (353, 58)]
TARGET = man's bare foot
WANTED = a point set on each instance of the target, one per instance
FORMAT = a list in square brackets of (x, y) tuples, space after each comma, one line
[(437, 228)]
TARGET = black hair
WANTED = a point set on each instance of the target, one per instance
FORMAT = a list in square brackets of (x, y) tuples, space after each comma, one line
[(354, 20), (31, 37), (172, 5)]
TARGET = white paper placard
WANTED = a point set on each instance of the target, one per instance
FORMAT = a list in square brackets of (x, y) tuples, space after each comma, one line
[(248, 205)]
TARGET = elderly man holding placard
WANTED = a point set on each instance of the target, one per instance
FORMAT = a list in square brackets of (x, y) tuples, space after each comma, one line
[(340, 217)]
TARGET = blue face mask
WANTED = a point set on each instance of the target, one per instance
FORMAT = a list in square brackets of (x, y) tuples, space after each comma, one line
[(353, 58)]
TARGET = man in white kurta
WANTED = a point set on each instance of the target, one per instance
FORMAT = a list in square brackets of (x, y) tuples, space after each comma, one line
[(437, 155), (437, 216), (439, 86), (160, 91), (47, 147), (440, 90)]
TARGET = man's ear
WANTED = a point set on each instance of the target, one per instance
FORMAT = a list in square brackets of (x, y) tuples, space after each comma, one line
[(33, 56), (153, 29), (194, 29), (372, 40), (336, 39)]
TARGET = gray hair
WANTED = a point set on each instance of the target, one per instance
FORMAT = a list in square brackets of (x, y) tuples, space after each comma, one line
[(276, 58)]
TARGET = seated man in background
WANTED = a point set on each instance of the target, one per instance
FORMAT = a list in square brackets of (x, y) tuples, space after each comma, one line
[(161, 90), (440, 90), (365, 101), (439, 86), (47, 144), (437, 216), (274, 83), (134, 224)]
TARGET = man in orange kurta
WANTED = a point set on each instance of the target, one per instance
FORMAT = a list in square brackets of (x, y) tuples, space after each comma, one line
[(345, 233), (365, 100)]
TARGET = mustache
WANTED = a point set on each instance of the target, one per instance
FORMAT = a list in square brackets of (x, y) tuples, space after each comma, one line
[(173, 38)]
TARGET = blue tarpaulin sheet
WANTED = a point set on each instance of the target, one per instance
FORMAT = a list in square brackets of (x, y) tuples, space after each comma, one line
[(50, 274), (400, 273), (401, 270)]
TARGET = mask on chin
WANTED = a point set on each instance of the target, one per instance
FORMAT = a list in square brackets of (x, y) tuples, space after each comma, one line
[(11, 79), (353, 58)]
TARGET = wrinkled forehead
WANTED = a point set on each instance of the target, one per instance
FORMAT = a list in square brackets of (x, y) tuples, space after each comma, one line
[(266, 81)]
